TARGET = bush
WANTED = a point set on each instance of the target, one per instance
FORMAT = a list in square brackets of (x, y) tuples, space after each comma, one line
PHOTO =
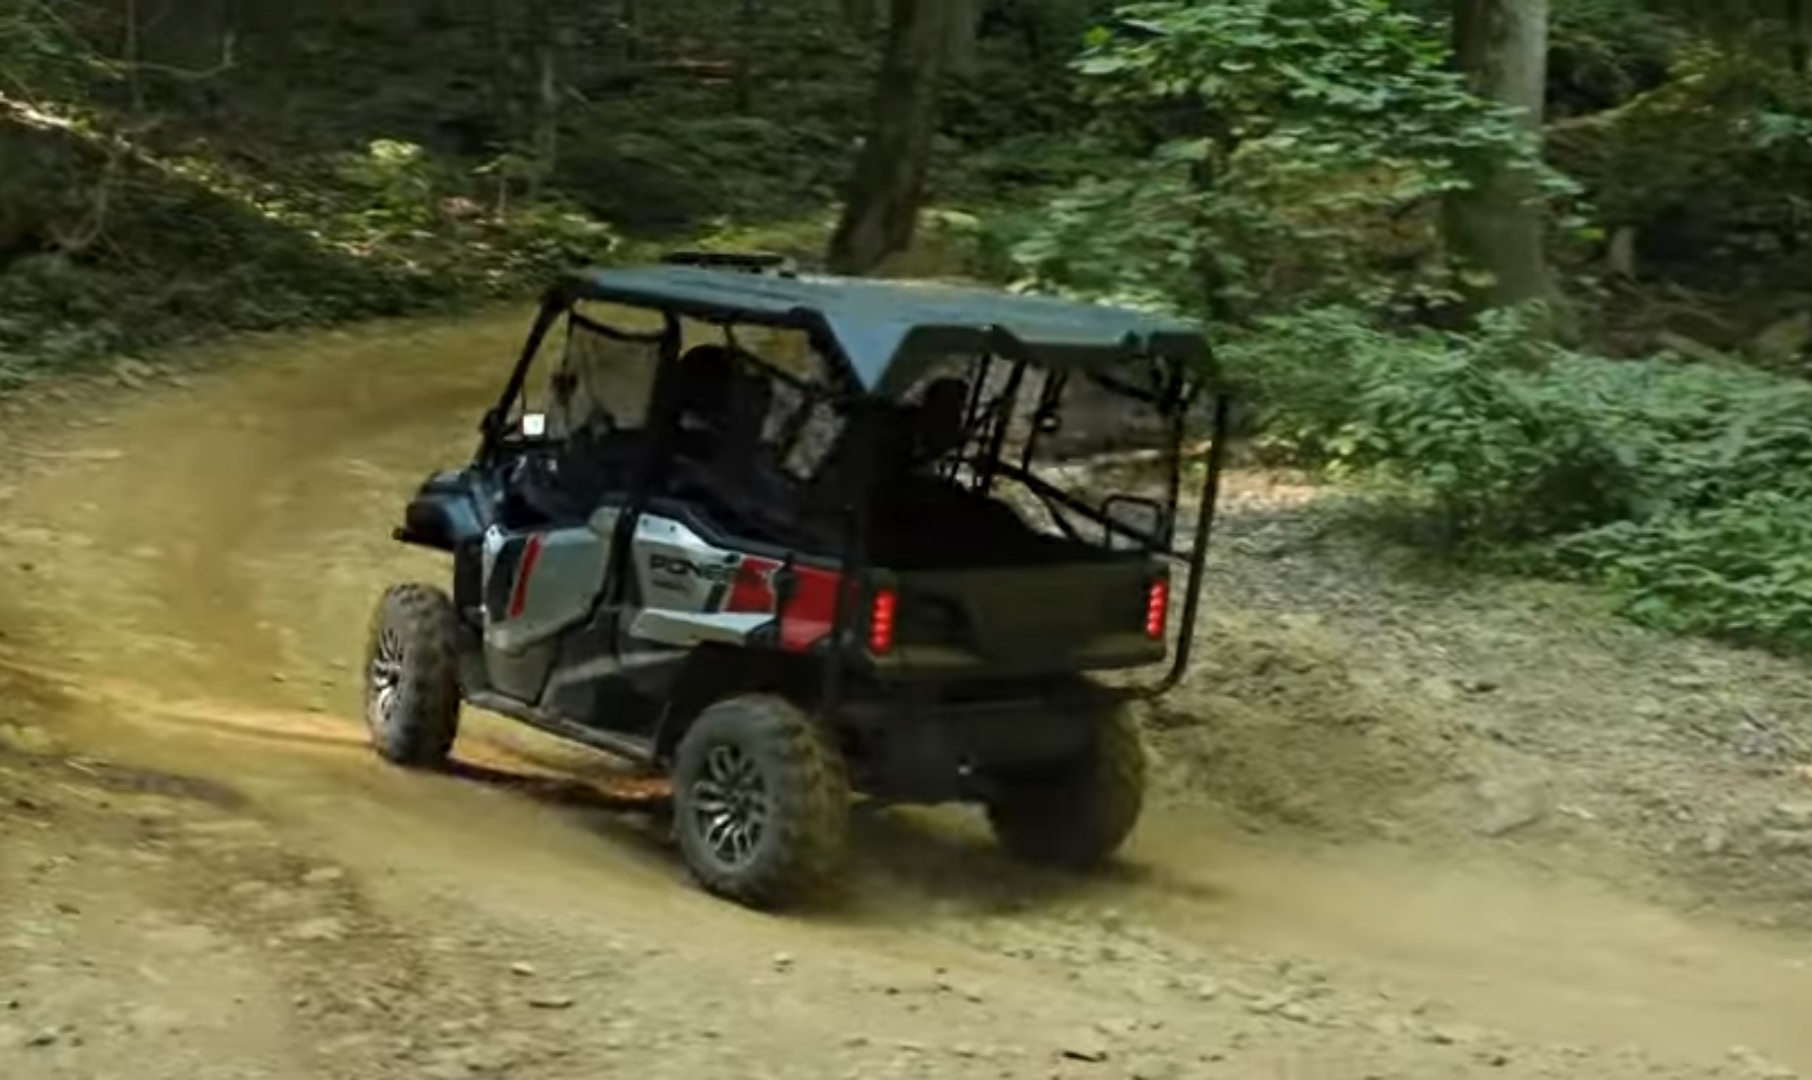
[(1687, 489), (1723, 542), (692, 169), (1704, 437), (1454, 427), (1741, 571), (38, 53), (381, 231), (1710, 167), (1604, 52), (1498, 457)]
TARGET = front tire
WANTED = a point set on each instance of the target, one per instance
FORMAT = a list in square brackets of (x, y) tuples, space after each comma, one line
[(761, 802), (412, 677), (1076, 815)]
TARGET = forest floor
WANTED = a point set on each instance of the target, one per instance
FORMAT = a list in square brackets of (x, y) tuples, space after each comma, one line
[(1407, 824)]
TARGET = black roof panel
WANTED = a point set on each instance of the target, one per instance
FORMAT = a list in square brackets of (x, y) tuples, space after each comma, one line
[(884, 328)]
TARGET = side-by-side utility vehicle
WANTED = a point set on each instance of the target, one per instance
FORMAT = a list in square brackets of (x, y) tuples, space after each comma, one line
[(789, 539)]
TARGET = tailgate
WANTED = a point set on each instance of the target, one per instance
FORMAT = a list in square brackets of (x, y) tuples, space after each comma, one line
[(1092, 615)]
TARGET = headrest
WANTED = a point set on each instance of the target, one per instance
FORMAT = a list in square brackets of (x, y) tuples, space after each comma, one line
[(942, 409), (706, 375)]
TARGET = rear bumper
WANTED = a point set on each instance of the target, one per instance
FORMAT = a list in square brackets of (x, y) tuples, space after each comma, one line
[(908, 747), (911, 663)]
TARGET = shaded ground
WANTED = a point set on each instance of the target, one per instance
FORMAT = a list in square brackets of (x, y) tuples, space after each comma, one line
[(1408, 829)]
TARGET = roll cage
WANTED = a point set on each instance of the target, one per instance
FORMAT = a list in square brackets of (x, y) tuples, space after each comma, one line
[(878, 338)]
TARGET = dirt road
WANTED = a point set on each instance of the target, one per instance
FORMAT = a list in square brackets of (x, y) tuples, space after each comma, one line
[(1402, 835)]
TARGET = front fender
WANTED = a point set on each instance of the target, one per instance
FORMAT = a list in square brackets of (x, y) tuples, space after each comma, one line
[(444, 514)]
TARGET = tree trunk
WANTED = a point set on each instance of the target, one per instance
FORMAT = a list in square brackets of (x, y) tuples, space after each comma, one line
[(547, 120), (745, 59), (133, 55), (1799, 40), (1497, 226), (632, 30), (860, 15), (881, 213), (500, 99), (965, 31), (544, 121)]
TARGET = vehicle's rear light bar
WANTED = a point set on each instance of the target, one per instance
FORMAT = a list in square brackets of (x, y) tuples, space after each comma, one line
[(1157, 608), (883, 610)]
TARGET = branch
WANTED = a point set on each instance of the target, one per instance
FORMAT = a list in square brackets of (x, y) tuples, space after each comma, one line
[(82, 238), (226, 64), (1114, 458), (32, 116), (1410, 206)]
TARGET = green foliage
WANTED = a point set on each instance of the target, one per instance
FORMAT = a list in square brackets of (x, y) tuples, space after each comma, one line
[(1275, 148), (1455, 428), (1742, 570), (38, 53), (679, 173), (416, 223), (1718, 162), (1685, 488), (1760, 25), (375, 159), (1498, 457), (379, 232), (1604, 52), (1721, 544), (396, 181)]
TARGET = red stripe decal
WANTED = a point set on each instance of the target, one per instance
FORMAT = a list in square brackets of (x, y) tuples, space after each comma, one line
[(530, 556), (752, 589), (813, 610), (809, 615)]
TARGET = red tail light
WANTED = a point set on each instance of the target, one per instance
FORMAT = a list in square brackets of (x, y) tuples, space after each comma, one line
[(1157, 608), (881, 612)]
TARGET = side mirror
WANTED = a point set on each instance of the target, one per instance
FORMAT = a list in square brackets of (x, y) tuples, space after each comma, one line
[(1145, 524)]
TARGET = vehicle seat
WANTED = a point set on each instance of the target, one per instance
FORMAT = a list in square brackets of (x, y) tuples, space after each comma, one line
[(912, 436), (740, 476), (709, 381), (683, 417), (938, 421), (904, 439)]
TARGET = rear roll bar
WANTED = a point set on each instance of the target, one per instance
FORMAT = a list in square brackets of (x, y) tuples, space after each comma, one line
[(1198, 555)]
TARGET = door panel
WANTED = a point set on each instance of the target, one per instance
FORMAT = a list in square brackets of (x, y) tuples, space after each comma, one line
[(538, 584), (688, 593)]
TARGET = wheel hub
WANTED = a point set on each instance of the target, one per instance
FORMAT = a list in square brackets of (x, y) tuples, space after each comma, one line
[(730, 804), (386, 678)]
